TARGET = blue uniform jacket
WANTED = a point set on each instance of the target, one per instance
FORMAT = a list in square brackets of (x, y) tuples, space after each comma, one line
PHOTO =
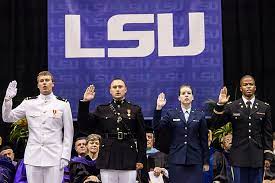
[(188, 139)]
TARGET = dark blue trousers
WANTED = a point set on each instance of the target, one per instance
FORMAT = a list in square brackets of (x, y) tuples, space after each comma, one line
[(248, 175)]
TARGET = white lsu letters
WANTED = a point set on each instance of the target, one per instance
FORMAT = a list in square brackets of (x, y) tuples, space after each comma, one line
[(146, 39)]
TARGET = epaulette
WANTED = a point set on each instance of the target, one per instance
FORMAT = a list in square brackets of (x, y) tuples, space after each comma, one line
[(63, 99), (104, 104), (132, 104), (266, 103), (29, 98), (198, 111)]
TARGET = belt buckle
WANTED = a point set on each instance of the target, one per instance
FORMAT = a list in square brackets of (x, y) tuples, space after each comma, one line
[(119, 135)]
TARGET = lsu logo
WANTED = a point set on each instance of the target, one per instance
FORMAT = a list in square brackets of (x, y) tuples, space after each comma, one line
[(146, 39)]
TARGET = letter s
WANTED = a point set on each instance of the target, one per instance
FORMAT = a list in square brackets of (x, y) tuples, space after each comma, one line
[(146, 38)]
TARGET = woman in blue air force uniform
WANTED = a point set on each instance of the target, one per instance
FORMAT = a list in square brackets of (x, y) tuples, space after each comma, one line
[(188, 152)]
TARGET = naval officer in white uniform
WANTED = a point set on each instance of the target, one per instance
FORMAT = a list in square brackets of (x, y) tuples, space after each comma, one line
[(50, 128)]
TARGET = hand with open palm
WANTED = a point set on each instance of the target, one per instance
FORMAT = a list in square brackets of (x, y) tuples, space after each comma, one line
[(161, 101), (89, 93), (223, 98)]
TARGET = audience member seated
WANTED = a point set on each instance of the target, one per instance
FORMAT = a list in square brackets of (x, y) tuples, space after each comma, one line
[(7, 170), (222, 169), (81, 151), (83, 169), (269, 175), (80, 146), (8, 152), (156, 160)]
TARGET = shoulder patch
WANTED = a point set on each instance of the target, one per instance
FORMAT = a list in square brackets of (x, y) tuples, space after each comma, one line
[(29, 98), (63, 99)]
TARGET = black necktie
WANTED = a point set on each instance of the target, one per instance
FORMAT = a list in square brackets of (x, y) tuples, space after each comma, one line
[(248, 104)]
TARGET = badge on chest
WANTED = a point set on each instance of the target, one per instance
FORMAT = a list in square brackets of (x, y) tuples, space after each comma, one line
[(56, 113)]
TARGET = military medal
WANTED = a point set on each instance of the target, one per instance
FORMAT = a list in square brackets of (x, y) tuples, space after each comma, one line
[(129, 113), (119, 119)]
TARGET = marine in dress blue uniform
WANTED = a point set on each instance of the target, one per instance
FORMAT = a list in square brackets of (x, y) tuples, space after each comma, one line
[(121, 125), (188, 154)]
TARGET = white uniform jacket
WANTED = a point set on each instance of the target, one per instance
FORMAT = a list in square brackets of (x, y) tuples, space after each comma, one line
[(50, 127)]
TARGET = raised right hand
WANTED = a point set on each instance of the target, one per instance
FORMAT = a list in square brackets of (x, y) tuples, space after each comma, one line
[(223, 98), (89, 93), (161, 101), (11, 90)]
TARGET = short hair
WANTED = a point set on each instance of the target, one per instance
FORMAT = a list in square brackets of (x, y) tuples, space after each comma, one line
[(185, 85), (117, 78), (5, 148), (80, 138), (93, 137), (44, 73), (149, 129), (246, 76)]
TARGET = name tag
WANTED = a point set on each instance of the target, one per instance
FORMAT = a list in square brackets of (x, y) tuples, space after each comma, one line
[(196, 120), (176, 119), (260, 113), (236, 114)]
